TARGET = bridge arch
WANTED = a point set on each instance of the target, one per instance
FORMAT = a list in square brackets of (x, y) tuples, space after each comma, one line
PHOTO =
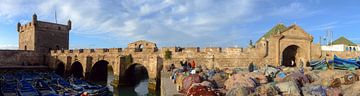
[(99, 71), (60, 68), (135, 73), (77, 70)]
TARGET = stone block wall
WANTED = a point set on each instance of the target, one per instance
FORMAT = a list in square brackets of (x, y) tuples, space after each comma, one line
[(19, 58)]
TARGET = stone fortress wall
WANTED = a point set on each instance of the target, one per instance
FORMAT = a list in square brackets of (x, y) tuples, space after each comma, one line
[(47, 43), (20, 58)]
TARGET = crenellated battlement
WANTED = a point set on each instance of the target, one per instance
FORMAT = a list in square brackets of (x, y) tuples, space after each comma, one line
[(42, 25), (28, 26), (86, 51), (41, 36), (215, 50), (191, 49), (207, 49)]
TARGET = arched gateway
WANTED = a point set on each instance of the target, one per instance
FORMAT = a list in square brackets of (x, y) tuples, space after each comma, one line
[(290, 56), (287, 46)]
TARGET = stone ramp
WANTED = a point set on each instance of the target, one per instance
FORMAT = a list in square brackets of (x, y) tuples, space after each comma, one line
[(168, 88)]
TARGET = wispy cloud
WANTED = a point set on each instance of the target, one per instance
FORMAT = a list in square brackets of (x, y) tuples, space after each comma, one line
[(156, 20), (324, 27), (293, 10), (8, 46)]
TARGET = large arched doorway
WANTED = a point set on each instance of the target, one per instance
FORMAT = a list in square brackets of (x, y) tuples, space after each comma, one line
[(99, 72), (136, 81), (60, 69), (77, 70), (289, 56), (136, 73)]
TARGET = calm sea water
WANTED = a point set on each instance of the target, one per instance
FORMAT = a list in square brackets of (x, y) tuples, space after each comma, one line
[(140, 90)]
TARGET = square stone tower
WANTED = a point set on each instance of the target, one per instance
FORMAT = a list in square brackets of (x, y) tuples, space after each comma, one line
[(43, 36)]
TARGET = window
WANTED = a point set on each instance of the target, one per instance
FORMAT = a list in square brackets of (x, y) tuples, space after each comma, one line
[(178, 49), (25, 47), (139, 48), (59, 28)]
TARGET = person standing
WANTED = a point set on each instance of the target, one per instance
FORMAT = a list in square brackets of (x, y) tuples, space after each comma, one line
[(193, 64), (172, 67)]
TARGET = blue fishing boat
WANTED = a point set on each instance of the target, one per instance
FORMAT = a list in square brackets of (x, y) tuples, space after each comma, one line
[(43, 88), (32, 83), (9, 78), (319, 65), (26, 89), (340, 63), (338, 60), (9, 89), (63, 83)]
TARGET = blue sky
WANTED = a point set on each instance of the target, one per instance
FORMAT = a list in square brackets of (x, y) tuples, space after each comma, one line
[(204, 23)]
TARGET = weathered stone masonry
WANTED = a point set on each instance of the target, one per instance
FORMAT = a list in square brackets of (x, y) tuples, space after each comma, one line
[(47, 43)]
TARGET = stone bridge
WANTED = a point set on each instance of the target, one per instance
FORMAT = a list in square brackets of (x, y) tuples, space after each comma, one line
[(93, 64)]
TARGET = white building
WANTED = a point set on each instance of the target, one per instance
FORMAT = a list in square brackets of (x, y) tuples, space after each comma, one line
[(341, 44)]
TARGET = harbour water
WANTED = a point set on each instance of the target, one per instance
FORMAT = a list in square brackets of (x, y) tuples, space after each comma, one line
[(110, 77), (141, 89), (131, 91)]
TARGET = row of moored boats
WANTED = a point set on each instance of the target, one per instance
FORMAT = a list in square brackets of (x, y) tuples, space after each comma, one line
[(46, 84)]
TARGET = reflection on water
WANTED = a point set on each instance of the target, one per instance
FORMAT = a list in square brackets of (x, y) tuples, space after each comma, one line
[(110, 77), (140, 89)]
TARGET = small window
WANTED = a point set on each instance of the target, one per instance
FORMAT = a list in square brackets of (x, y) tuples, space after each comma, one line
[(106, 50), (25, 48), (350, 48), (178, 49), (59, 28), (139, 48)]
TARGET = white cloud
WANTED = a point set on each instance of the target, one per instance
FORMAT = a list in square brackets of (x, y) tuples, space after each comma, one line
[(155, 20), (324, 27), (8, 46)]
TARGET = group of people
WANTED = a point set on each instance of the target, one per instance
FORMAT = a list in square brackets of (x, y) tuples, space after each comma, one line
[(186, 66)]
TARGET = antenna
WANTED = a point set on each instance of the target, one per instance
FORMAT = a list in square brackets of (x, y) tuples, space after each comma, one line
[(320, 41), (55, 17)]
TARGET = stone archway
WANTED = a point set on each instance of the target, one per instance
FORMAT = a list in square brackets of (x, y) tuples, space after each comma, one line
[(76, 70), (60, 69), (135, 73), (290, 56), (99, 71)]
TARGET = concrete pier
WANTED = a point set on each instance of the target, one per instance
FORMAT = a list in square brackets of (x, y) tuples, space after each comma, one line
[(168, 88)]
